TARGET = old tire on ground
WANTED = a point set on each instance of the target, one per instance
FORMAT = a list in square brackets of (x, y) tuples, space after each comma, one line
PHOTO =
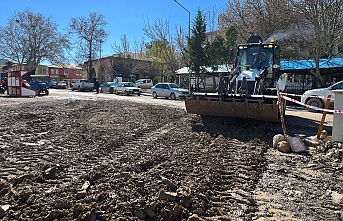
[(316, 103), (172, 96), (154, 95)]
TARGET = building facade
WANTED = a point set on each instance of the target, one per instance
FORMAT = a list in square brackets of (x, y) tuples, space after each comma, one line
[(126, 65)]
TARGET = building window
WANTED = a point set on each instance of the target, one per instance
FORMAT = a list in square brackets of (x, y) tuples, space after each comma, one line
[(42, 71), (66, 73), (79, 73), (54, 71)]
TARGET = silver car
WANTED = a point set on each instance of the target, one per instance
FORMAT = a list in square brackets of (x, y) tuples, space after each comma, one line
[(169, 90), (144, 83), (107, 87), (127, 88)]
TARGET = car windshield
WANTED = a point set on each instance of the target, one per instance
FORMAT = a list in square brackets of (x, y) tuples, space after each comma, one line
[(174, 86), (129, 85), (61, 82), (113, 84), (337, 86)]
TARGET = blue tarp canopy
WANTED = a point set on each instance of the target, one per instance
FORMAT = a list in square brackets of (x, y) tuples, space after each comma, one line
[(324, 63)]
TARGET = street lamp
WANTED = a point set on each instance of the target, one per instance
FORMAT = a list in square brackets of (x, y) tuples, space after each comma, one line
[(189, 36)]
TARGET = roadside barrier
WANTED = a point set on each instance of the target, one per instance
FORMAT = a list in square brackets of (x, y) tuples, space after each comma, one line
[(308, 106)]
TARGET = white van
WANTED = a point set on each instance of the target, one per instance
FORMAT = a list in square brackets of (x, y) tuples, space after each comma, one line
[(144, 83)]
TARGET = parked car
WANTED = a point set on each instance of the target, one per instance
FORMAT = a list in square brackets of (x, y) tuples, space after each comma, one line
[(61, 85), (169, 90), (127, 88), (82, 85), (52, 84), (107, 87), (318, 97), (144, 83)]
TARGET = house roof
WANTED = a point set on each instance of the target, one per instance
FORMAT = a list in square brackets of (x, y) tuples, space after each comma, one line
[(324, 63), (67, 66)]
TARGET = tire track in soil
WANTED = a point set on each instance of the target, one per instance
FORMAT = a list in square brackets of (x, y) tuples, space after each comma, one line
[(128, 162)]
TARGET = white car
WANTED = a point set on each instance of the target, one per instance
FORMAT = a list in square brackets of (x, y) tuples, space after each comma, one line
[(169, 90), (127, 88), (318, 97)]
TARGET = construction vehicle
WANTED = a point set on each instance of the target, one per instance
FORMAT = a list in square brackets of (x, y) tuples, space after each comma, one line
[(249, 90)]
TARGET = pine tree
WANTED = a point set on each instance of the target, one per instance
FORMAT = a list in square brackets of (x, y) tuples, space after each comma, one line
[(198, 45)]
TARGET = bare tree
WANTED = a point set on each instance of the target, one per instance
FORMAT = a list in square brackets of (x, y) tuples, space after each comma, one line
[(256, 17), (180, 43), (32, 38), (91, 33), (319, 27), (163, 46), (130, 58), (123, 60), (308, 28)]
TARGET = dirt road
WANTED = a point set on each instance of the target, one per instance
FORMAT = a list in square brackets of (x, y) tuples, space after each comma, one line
[(104, 159)]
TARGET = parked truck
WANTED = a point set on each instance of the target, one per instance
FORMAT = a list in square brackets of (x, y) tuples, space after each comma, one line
[(249, 91), (82, 85)]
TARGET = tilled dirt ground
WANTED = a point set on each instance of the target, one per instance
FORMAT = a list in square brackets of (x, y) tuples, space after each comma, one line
[(117, 160)]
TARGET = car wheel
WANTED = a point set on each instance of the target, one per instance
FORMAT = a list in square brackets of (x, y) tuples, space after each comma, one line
[(316, 103), (172, 96), (111, 90), (116, 92), (126, 93), (139, 94), (154, 95)]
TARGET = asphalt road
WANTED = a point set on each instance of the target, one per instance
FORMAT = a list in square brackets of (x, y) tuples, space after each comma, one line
[(299, 121)]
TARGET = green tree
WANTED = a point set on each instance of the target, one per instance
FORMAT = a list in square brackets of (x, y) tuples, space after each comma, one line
[(198, 46), (220, 48), (163, 56), (162, 48), (91, 33), (32, 38)]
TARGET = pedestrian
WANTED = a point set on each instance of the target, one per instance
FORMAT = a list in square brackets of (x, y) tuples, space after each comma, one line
[(97, 86)]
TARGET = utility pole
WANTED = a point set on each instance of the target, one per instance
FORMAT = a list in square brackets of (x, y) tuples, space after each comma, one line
[(189, 36)]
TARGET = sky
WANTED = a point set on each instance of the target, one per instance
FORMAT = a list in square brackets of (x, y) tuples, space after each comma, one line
[(123, 17)]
